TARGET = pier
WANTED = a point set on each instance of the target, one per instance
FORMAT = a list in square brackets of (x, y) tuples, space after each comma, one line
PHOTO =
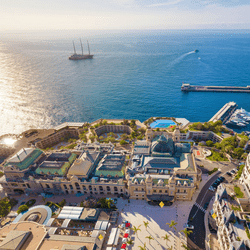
[(225, 112), (186, 87)]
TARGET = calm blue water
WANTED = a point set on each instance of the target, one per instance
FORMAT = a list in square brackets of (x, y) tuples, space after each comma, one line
[(134, 74)]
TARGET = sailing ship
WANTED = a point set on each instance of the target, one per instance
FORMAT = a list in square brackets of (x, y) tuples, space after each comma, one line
[(76, 56)]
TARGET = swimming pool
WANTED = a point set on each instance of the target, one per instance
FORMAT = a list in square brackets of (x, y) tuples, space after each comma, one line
[(162, 124)]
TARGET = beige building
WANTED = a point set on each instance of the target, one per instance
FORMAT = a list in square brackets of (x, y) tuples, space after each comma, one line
[(159, 168), (168, 173), (230, 223)]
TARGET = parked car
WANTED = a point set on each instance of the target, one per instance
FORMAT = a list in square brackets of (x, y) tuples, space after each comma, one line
[(228, 173), (206, 205), (211, 188), (115, 201), (188, 226), (222, 178)]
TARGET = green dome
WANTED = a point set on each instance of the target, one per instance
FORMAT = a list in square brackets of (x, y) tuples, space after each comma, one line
[(163, 145)]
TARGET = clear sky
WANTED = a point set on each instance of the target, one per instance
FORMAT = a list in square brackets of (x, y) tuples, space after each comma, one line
[(124, 14)]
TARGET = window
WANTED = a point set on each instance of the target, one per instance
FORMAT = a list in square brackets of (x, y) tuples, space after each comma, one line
[(184, 190), (178, 191), (65, 186), (154, 191), (115, 189), (71, 187), (108, 188), (142, 189), (136, 189), (90, 187), (166, 191), (47, 185), (77, 185), (160, 191), (84, 188)]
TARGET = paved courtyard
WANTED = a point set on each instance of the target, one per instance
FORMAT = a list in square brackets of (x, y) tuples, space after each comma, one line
[(138, 211)]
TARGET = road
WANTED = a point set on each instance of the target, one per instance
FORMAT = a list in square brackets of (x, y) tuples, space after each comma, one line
[(197, 212)]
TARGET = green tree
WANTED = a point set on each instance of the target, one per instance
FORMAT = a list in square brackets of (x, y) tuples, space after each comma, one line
[(146, 224), (5, 207), (144, 247), (44, 199), (123, 142), (136, 229), (105, 203), (185, 247), (186, 232), (130, 242), (22, 208), (172, 224), (166, 237), (124, 136), (149, 238), (209, 143), (170, 248), (62, 203)]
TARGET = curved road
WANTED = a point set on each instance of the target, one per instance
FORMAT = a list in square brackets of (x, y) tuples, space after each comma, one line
[(197, 212)]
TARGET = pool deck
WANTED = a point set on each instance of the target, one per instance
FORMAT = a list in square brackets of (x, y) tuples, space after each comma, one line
[(162, 124)]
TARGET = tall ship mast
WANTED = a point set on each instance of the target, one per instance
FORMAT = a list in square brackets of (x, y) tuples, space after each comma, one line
[(76, 56)]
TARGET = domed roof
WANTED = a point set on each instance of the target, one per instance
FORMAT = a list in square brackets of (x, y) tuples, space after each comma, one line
[(164, 145), (80, 167)]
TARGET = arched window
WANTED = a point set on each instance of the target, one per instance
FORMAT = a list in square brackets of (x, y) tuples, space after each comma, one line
[(77, 185)]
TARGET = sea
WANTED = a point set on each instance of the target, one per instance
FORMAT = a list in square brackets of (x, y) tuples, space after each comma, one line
[(135, 74)]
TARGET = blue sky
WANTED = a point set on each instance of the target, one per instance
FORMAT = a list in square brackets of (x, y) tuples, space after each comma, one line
[(123, 14)]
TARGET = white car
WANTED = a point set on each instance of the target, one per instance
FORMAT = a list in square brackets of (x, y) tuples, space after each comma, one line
[(188, 226), (211, 188)]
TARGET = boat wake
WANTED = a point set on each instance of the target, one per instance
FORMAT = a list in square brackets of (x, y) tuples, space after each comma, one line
[(180, 58)]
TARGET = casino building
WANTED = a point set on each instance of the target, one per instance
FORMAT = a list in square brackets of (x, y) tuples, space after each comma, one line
[(158, 169)]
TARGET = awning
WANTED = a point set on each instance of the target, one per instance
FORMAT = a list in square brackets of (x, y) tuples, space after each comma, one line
[(156, 197)]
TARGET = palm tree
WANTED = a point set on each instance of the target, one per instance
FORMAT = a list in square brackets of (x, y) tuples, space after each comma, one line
[(130, 242), (172, 224), (143, 248), (186, 232), (44, 199), (149, 238), (146, 224), (184, 246), (136, 229), (170, 248), (166, 237)]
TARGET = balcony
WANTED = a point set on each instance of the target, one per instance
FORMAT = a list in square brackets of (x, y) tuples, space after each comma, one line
[(139, 192)]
